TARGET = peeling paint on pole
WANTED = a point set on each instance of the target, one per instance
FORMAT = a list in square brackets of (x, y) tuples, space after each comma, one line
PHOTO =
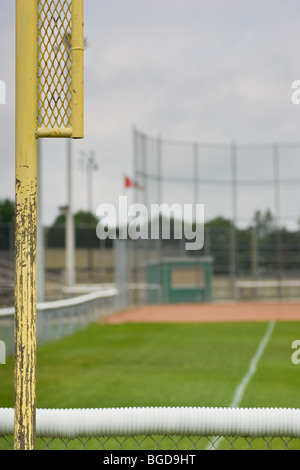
[(25, 226), (41, 51)]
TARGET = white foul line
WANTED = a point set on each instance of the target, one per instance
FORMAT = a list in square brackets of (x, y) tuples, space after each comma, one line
[(252, 367), (239, 392)]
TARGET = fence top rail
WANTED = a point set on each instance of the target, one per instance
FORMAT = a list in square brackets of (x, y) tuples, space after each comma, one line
[(70, 423), (192, 143), (269, 283), (65, 303)]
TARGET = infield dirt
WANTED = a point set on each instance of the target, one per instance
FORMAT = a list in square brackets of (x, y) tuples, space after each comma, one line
[(197, 313)]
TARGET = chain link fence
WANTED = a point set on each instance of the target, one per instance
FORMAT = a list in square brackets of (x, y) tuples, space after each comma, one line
[(162, 443), (97, 263), (250, 194)]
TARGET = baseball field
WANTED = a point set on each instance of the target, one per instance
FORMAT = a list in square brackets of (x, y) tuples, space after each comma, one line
[(183, 355)]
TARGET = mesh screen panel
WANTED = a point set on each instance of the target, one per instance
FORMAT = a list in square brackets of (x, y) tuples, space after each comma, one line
[(54, 64)]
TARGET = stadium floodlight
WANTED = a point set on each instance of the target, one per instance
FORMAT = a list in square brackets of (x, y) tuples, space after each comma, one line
[(49, 103)]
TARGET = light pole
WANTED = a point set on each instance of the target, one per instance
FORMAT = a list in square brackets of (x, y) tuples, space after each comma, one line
[(70, 232), (89, 165), (40, 258)]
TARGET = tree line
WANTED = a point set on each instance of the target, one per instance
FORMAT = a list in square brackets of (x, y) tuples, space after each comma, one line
[(261, 247)]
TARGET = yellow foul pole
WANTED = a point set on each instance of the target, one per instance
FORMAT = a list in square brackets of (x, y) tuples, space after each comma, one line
[(39, 42), (25, 224), (77, 69)]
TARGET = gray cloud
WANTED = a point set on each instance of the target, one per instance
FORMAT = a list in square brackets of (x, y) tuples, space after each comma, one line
[(185, 69)]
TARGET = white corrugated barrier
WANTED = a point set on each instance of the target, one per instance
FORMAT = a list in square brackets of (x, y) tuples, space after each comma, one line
[(73, 423), (59, 318)]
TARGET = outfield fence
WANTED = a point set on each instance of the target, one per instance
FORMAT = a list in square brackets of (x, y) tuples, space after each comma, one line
[(60, 318), (161, 429), (257, 276)]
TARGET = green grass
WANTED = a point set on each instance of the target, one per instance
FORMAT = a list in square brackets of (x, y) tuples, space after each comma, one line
[(163, 365), (277, 379)]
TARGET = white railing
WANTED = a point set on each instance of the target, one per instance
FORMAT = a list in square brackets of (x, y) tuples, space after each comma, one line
[(61, 317), (268, 288), (70, 424)]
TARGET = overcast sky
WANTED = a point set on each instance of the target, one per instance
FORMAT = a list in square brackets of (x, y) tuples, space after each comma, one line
[(199, 70)]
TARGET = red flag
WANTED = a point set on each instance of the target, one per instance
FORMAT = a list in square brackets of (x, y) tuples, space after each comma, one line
[(129, 183)]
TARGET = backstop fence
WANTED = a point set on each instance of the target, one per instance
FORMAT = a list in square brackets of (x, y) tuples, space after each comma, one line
[(250, 194), (232, 180)]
